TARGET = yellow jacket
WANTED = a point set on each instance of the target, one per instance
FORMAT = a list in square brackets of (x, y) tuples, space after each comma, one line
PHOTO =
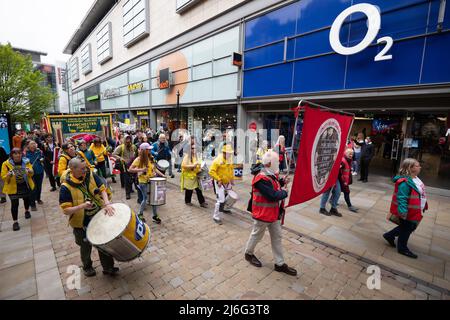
[(10, 186), (63, 163), (189, 173), (259, 154), (221, 170), (76, 219), (100, 152), (144, 177)]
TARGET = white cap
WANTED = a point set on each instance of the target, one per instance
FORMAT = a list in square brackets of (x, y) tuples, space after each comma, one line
[(145, 146)]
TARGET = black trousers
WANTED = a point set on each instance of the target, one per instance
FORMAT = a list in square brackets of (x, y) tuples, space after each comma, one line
[(36, 193), (127, 181), (188, 195), (101, 167), (122, 180), (49, 173), (106, 260), (402, 231), (347, 198), (15, 207), (365, 168)]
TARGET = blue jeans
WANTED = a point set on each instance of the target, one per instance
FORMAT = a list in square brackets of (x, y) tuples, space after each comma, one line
[(335, 194), (143, 198), (356, 161)]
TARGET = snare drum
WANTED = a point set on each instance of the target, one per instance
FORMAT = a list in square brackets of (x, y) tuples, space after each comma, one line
[(204, 171), (123, 235), (231, 198), (162, 165), (157, 191), (206, 184)]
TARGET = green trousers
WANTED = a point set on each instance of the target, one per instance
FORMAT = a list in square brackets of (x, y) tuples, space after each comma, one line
[(106, 260)]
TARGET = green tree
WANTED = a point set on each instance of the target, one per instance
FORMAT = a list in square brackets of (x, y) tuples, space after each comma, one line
[(22, 94)]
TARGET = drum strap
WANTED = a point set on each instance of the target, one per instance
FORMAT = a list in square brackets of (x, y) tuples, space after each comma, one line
[(87, 194)]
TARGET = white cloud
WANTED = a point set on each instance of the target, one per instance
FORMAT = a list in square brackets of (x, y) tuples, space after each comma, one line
[(41, 25)]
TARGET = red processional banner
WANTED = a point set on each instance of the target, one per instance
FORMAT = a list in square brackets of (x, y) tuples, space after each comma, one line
[(323, 141)]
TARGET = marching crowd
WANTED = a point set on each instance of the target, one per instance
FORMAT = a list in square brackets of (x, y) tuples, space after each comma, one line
[(83, 169)]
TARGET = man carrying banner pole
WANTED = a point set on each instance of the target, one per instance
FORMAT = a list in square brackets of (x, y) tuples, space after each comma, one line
[(268, 194)]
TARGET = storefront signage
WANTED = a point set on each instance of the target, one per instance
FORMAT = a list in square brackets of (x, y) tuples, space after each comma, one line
[(110, 93), (237, 59), (373, 23), (164, 78), (136, 87), (142, 113), (380, 126), (93, 98), (238, 171)]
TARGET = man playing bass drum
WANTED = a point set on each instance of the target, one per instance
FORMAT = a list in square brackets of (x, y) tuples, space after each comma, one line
[(82, 195)]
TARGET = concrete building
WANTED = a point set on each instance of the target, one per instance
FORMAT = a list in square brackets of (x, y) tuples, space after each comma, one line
[(132, 57), (55, 76)]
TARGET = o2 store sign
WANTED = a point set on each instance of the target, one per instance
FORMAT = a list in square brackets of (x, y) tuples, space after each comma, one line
[(373, 23)]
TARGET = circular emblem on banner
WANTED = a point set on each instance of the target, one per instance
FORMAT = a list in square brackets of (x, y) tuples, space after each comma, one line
[(324, 152)]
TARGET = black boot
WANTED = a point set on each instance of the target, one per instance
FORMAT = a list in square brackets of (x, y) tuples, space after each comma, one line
[(111, 272), (222, 209), (89, 271), (334, 212)]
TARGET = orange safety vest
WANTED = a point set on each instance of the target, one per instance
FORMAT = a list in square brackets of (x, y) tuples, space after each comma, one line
[(263, 209), (414, 209)]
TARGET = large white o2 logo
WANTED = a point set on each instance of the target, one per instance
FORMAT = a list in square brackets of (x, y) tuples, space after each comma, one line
[(374, 25)]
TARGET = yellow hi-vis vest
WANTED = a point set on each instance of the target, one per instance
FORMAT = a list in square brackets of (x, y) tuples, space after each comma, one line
[(76, 219)]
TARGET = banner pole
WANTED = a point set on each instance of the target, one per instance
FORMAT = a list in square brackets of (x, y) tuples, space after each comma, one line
[(323, 107), (292, 144)]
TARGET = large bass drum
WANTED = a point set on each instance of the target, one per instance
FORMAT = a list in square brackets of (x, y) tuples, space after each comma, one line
[(123, 235)]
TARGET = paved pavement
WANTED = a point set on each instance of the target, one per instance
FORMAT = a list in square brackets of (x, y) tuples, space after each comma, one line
[(189, 257), (360, 233)]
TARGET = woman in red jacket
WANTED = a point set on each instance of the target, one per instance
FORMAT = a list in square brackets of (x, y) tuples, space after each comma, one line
[(345, 177), (280, 148), (409, 201)]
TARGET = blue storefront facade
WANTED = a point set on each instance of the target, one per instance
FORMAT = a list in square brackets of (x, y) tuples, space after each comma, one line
[(300, 50), (287, 51)]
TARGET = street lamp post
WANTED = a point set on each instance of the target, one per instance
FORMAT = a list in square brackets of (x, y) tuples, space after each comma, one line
[(178, 109)]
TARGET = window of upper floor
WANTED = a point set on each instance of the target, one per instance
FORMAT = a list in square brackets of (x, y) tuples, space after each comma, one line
[(74, 71), (104, 43), (184, 5), (136, 22), (86, 59)]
